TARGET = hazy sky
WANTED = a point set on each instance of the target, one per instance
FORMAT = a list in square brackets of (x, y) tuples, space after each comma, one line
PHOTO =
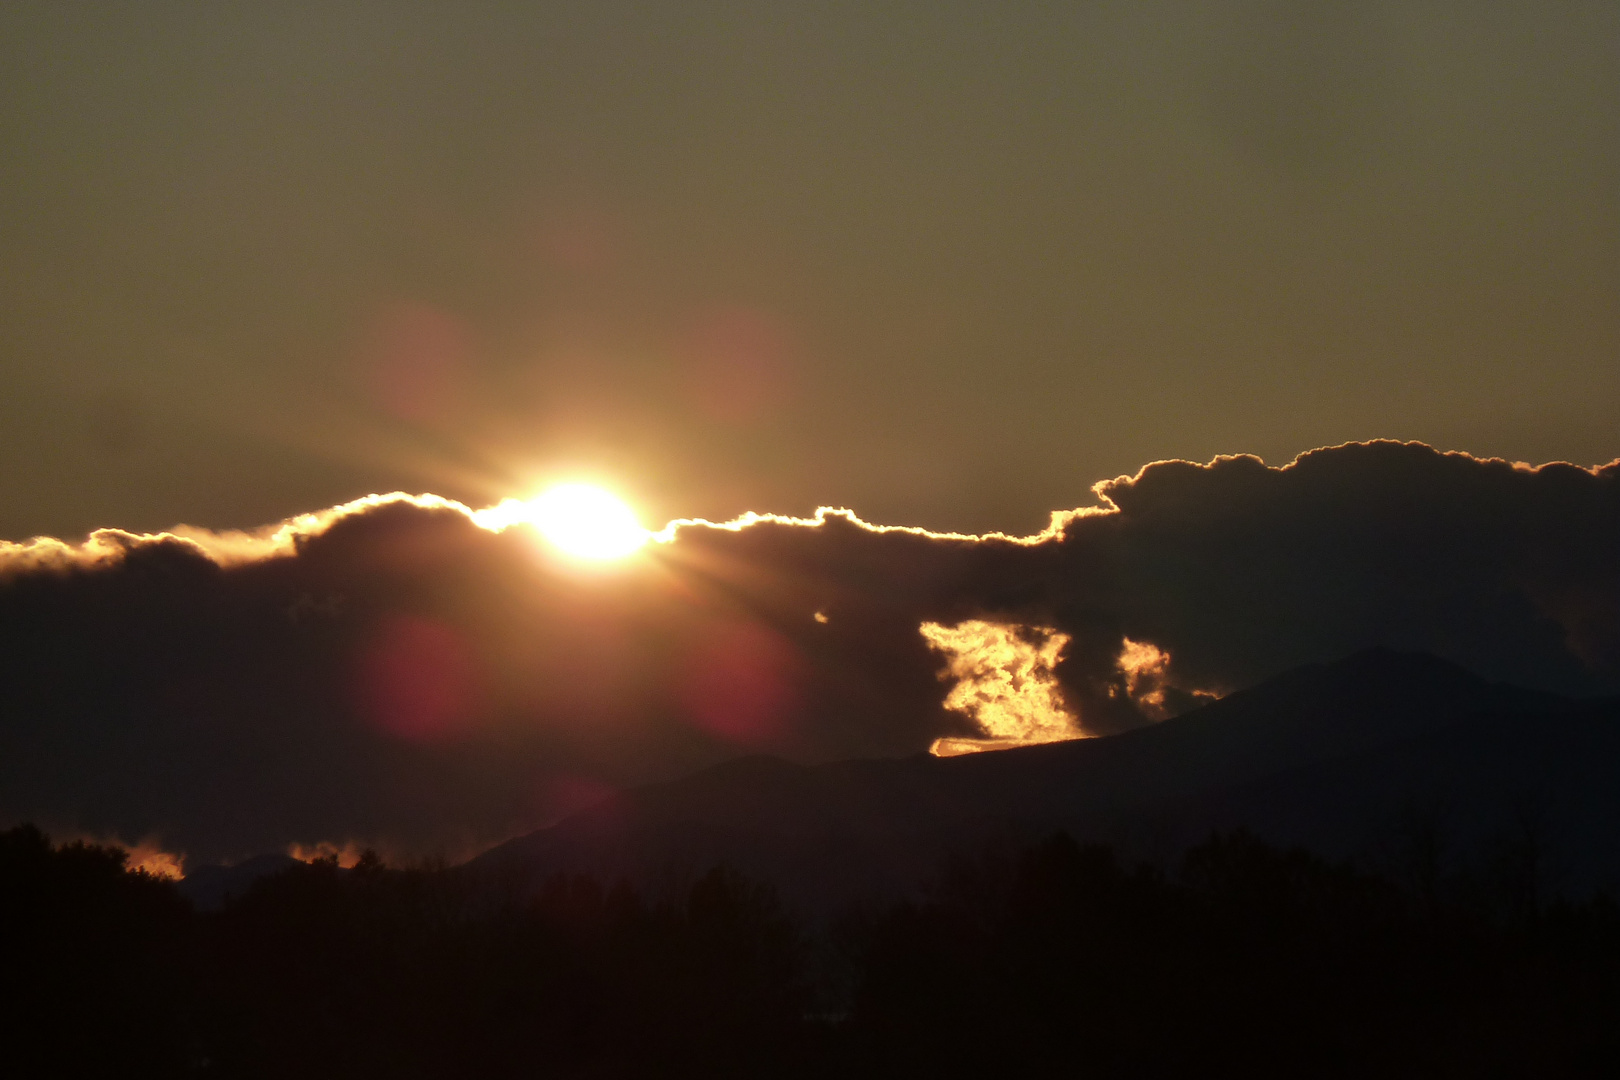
[(945, 263)]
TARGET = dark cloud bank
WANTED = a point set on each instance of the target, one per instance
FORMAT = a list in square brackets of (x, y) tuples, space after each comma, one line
[(399, 674)]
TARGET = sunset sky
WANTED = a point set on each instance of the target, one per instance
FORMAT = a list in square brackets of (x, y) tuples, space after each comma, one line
[(1141, 351), (947, 264)]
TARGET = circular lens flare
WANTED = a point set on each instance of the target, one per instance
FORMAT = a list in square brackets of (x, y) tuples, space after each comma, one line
[(586, 522)]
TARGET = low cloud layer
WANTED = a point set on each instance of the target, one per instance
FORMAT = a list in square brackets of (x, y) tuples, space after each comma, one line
[(409, 672)]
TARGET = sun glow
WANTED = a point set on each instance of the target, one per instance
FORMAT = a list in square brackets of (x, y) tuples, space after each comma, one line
[(587, 522)]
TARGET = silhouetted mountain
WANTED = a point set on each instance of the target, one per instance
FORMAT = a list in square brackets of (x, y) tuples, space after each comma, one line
[(209, 887), (1537, 794), (1341, 758)]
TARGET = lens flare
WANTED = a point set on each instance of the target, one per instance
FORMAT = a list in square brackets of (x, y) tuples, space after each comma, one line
[(587, 522)]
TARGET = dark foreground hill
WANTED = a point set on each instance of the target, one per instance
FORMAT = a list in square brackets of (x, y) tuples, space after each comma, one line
[(1056, 959), (1403, 762), (955, 930)]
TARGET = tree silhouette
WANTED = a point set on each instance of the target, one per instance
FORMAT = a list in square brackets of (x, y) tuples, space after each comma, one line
[(1059, 958), (94, 961)]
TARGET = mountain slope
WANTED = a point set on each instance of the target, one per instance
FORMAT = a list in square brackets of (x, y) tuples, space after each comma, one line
[(1322, 743)]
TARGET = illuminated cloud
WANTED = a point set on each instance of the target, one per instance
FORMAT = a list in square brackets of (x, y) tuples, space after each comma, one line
[(1145, 669), (147, 855), (1005, 681), (416, 674), (346, 854), (230, 547), (150, 858)]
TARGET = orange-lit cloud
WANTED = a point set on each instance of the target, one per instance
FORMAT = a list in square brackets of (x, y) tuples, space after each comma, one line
[(225, 548), (158, 863), (346, 854), (411, 669), (1145, 666), (147, 855), (1005, 681)]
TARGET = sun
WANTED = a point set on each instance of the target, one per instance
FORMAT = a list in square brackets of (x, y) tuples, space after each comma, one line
[(587, 522)]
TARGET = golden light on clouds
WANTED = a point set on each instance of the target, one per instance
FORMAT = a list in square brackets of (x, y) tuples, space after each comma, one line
[(1006, 681), (1145, 667), (149, 858)]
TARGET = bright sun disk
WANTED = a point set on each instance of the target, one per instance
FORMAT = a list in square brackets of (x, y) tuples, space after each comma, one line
[(584, 521)]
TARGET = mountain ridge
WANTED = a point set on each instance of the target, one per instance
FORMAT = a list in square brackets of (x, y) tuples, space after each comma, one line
[(831, 832)]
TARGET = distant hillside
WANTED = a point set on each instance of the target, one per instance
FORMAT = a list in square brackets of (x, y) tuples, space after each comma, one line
[(1363, 758), (209, 887)]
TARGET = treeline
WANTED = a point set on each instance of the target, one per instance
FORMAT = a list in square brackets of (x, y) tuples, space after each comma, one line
[(1058, 957)]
